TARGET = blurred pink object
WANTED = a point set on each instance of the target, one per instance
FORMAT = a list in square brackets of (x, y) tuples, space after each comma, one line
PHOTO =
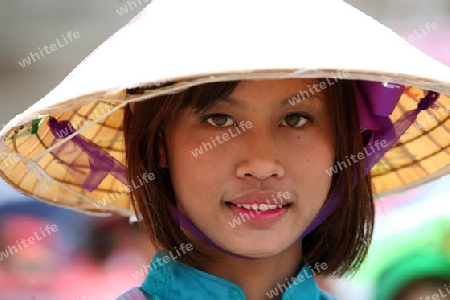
[(28, 263)]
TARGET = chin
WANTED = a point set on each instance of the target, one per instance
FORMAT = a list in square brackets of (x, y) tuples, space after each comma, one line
[(256, 250)]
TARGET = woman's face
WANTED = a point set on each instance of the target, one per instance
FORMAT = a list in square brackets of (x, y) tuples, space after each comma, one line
[(257, 178)]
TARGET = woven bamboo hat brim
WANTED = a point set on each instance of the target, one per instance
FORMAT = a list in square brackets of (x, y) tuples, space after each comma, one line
[(173, 44)]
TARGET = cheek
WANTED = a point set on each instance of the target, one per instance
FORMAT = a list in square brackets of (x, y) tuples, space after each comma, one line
[(308, 169), (197, 176), (313, 170), (320, 159)]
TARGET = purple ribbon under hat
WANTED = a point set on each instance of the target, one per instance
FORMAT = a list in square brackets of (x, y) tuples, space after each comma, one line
[(375, 102)]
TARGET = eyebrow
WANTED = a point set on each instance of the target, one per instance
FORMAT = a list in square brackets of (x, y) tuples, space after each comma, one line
[(233, 102), (284, 102)]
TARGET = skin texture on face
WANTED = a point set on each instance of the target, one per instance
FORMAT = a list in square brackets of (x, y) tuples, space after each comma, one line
[(286, 149)]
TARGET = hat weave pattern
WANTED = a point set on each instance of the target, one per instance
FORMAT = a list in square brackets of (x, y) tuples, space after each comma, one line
[(420, 155)]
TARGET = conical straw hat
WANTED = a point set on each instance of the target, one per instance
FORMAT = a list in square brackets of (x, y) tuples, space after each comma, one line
[(174, 44)]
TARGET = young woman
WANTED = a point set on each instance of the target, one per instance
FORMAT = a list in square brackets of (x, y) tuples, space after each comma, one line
[(249, 165), (275, 155)]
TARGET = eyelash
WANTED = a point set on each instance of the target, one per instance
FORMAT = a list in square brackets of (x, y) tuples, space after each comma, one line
[(307, 117), (204, 119)]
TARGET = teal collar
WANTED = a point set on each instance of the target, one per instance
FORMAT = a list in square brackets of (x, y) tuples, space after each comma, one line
[(169, 279)]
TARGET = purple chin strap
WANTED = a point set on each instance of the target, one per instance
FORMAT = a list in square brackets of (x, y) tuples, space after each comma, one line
[(375, 102)]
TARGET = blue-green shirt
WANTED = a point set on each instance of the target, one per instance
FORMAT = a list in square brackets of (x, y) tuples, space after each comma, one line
[(175, 280)]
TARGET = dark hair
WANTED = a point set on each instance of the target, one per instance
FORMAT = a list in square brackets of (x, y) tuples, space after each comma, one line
[(341, 241)]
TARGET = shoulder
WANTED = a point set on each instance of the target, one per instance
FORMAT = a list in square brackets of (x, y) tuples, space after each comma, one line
[(134, 294)]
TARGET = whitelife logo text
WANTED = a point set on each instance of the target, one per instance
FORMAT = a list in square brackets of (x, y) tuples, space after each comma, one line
[(243, 217), (162, 261), (225, 137), (355, 158), (69, 37), (38, 236)]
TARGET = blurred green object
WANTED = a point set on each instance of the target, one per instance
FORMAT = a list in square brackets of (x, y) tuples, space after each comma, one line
[(399, 259)]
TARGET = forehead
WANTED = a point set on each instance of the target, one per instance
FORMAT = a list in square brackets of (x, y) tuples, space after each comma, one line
[(282, 92), (286, 85)]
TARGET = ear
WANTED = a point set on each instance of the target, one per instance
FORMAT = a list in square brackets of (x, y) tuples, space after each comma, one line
[(162, 151)]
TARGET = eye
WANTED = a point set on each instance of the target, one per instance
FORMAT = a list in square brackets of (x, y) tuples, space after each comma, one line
[(219, 120), (296, 120)]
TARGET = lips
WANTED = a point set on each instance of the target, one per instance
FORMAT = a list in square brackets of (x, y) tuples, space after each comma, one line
[(260, 197), (261, 202), (260, 207), (257, 218)]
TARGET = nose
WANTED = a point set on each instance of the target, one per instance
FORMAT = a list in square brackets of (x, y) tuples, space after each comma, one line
[(259, 156)]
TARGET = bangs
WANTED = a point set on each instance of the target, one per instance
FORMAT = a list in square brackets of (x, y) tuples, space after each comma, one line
[(207, 95)]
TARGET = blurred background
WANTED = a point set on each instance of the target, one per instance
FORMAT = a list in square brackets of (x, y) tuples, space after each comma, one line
[(94, 258)]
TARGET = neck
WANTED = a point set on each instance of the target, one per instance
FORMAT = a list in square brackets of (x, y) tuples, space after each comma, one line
[(256, 277)]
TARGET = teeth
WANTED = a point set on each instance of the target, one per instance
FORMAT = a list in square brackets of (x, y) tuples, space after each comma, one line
[(261, 207)]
